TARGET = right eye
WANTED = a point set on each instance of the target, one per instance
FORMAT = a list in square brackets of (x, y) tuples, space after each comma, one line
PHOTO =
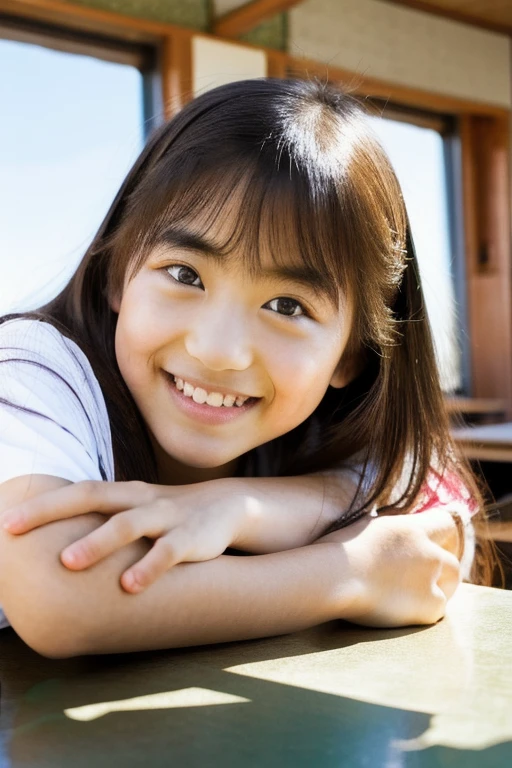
[(184, 275)]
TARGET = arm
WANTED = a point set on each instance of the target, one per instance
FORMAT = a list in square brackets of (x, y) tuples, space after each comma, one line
[(60, 613), (386, 571), (278, 513)]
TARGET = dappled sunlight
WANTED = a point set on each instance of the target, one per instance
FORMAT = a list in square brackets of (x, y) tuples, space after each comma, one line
[(185, 697)]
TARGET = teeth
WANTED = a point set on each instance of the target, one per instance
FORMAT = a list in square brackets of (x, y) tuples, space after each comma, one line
[(215, 399), (199, 395)]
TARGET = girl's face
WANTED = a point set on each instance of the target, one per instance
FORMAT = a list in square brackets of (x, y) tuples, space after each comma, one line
[(192, 321)]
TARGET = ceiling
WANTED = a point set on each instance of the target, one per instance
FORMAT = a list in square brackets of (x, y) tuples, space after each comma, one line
[(489, 14)]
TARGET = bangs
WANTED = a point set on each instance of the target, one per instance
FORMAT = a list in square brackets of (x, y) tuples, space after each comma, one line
[(270, 218)]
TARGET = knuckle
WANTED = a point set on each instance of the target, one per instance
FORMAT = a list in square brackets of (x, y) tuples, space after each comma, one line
[(167, 547), (124, 526)]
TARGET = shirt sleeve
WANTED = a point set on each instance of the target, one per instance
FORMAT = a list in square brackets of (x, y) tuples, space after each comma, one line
[(45, 427)]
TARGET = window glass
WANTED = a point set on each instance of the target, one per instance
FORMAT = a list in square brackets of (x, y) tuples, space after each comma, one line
[(417, 155), (71, 127)]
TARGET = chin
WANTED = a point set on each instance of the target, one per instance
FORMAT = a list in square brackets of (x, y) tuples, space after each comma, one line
[(199, 459)]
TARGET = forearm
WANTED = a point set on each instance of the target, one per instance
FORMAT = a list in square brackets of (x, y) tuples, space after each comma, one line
[(221, 600), (278, 513)]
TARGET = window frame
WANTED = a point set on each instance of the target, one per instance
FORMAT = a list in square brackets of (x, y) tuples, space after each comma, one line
[(447, 126)]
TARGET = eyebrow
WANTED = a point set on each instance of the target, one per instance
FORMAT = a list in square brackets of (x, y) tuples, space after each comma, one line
[(322, 285)]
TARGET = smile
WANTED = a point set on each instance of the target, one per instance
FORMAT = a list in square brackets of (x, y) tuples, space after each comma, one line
[(194, 406), (214, 399)]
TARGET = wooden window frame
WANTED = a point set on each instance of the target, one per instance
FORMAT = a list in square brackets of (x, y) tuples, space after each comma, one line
[(485, 161)]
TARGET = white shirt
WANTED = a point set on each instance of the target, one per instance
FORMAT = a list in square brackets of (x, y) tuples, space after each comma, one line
[(74, 440)]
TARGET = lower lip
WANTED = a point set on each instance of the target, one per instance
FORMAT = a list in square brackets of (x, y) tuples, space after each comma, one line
[(207, 414)]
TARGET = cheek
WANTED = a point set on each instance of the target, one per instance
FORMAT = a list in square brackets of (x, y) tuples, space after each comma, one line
[(136, 338), (301, 374), (144, 323)]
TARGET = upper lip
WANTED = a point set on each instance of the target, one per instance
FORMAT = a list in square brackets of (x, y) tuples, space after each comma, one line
[(209, 387)]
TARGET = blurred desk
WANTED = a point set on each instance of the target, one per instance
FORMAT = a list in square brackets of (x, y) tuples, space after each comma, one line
[(332, 696), (488, 408), (485, 442)]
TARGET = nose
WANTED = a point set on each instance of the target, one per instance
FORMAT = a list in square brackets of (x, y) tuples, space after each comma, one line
[(220, 338)]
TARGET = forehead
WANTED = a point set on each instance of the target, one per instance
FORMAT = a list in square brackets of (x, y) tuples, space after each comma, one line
[(265, 229)]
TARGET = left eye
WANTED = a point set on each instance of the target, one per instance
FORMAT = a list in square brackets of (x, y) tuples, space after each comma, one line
[(185, 275), (287, 307)]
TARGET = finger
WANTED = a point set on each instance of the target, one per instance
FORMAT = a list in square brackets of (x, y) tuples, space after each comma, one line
[(167, 551), (441, 528), (76, 499), (450, 574), (130, 525), (439, 601)]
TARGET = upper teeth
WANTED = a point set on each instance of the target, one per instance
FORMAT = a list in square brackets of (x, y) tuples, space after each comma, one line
[(200, 395)]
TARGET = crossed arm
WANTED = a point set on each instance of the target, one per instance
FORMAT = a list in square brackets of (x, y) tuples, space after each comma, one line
[(389, 571)]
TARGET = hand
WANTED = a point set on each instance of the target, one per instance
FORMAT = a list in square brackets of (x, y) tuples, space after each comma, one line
[(187, 524), (404, 567)]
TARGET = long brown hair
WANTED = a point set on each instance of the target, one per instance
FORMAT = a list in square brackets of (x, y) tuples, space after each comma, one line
[(316, 183)]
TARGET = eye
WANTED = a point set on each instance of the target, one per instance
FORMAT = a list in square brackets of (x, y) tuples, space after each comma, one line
[(185, 275), (287, 307)]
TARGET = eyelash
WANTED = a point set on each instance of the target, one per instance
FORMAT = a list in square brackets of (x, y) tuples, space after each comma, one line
[(304, 311)]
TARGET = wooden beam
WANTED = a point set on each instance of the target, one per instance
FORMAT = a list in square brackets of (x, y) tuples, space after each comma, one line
[(176, 68), (88, 19), (465, 17), (486, 199), (276, 65), (243, 19), (365, 86)]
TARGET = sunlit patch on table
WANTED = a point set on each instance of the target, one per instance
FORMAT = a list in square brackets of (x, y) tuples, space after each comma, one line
[(186, 697)]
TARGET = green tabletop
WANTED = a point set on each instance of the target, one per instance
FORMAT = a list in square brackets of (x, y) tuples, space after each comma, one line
[(335, 695)]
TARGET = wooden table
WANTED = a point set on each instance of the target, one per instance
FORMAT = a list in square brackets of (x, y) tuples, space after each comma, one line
[(486, 442), (333, 696)]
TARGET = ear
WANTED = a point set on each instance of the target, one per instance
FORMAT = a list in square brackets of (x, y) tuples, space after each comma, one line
[(349, 367)]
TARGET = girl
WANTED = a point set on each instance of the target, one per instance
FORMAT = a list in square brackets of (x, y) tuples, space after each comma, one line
[(241, 364)]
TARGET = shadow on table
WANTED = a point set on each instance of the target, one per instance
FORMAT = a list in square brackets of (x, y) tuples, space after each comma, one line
[(194, 712)]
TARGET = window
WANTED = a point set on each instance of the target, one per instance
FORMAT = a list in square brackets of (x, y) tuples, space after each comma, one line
[(423, 157), (75, 113)]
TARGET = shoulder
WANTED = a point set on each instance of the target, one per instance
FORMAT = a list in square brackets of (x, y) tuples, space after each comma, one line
[(35, 349), (24, 339), (45, 380)]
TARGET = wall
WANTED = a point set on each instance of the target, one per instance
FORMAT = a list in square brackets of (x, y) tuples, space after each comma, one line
[(216, 63), (404, 46)]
